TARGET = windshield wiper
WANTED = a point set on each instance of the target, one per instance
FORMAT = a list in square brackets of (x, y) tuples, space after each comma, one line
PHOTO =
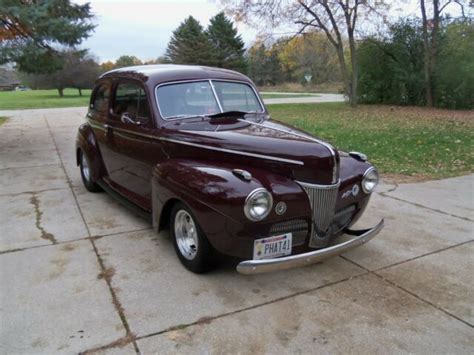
[(229, 114)]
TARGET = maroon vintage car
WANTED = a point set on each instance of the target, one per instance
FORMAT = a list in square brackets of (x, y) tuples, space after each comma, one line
[(194, 149)]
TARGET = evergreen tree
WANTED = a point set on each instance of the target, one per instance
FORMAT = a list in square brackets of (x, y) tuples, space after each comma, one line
[(189, 44), (228, 46), (31, 30)]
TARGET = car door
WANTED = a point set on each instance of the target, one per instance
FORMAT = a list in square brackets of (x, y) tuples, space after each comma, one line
[(98, 116), (133, 147)]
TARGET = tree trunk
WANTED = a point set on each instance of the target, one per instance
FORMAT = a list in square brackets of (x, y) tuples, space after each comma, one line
[(355, 70), (61, 92), (344, 73), (80, 91), (427, 58)]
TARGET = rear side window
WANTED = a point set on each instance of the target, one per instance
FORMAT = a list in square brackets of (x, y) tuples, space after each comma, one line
[(101, 98), (131, 98)]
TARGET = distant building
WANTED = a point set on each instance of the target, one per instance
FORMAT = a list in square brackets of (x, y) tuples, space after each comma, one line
[(8, 78)]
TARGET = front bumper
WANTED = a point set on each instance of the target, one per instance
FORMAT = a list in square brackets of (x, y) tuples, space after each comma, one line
[(267, 265)]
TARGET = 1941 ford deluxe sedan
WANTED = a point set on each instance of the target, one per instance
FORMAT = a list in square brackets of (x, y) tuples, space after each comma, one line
[(194, 149)]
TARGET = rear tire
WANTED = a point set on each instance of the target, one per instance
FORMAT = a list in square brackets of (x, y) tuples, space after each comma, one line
[(191, 245), (86, 174)]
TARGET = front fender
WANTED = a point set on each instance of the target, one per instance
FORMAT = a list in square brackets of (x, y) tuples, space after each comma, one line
[(216, 197)]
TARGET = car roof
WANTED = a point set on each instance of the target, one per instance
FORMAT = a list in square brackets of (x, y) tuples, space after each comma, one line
[(161, 73)]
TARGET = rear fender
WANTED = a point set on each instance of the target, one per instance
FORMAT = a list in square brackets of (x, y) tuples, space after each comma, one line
[(87, 143)]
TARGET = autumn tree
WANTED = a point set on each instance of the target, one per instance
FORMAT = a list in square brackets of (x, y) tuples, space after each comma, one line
[(337, 19), (31, 31), (310, 53), (79, 71), (263, 64), (431, 15), (127, 61), (106, 66)]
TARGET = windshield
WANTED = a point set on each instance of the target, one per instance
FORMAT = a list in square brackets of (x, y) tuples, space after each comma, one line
[(190, 99)]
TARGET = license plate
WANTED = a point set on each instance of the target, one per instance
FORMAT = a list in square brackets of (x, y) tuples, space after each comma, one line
[(272, 247)]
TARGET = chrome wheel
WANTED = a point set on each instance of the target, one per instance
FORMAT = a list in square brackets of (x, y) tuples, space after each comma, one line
[(186, 234), (85, 167)]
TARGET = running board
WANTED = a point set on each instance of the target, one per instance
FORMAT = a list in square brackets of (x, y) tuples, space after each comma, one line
[(125, 202)]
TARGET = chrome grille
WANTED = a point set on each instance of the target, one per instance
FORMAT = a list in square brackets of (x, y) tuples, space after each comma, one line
[(323, 204), (297, 227)]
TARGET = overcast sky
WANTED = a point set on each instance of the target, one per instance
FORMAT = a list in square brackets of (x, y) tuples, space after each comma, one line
[(143, 27)]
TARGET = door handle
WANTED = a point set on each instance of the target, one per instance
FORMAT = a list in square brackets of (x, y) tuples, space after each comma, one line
[(108, 130)]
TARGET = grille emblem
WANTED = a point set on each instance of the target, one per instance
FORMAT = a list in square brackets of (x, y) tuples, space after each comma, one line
[(280, 208)]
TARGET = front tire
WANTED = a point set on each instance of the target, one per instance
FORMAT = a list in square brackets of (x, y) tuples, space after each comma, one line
[(191, 245), (86, 174)]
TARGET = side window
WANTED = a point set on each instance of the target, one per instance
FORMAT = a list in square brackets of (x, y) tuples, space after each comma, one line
[(101, 98), (130, 98)]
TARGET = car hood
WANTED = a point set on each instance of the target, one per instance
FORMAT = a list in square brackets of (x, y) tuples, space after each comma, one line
[(269, 144)]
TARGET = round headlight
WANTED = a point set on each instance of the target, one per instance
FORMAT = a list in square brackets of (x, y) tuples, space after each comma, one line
[(258, 204), (370, 180)]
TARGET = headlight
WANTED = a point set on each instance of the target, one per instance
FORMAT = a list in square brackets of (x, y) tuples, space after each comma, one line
[(370, 180), (258, 204)]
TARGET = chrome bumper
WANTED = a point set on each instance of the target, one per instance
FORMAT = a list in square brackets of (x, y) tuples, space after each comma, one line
[(266, 265)]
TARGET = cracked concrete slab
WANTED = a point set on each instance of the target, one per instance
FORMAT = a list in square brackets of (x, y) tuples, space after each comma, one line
[(385, 186), (39, 218), (104, 215), (156, 292), (363, 315), (445, 279), (65, 117), (25, 139), (409, 232), (13, 158), (53, 301), (23, 121), (453, 196), (65, 138), (19, 180)]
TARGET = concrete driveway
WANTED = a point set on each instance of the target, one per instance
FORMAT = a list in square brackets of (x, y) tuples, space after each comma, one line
[(78, 272)]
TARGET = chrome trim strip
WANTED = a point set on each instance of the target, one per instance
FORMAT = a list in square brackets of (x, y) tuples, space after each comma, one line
[(251, 267), (260, 156), (282, 160), (213, 90), (331, 149), (215, 96), (97, 125)]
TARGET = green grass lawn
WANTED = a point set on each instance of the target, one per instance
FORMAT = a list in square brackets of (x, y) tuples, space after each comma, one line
[(425, 143), (13, 100)]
